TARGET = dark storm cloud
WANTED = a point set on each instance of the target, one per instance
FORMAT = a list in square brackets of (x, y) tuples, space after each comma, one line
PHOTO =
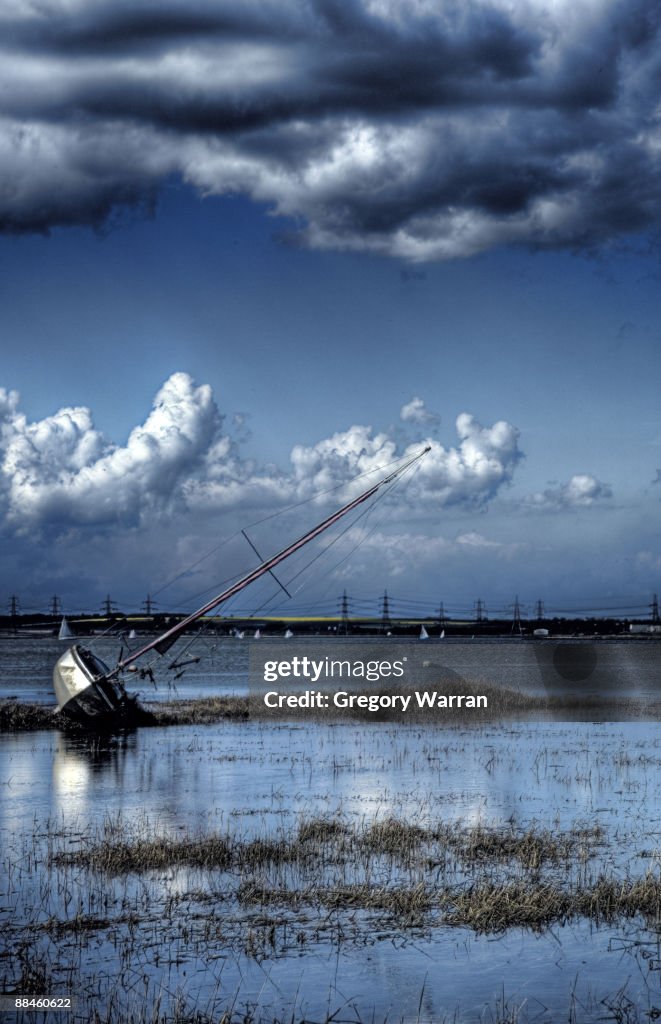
[(425, 131)]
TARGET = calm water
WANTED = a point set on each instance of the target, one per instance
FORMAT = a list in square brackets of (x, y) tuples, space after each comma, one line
[(610, 667), (26, 668), (257, 779)]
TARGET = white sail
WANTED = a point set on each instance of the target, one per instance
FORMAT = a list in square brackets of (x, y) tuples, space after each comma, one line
[(442, 636), (424, 635), (133, 635), (257, 634), (65, 633), (288, 634)]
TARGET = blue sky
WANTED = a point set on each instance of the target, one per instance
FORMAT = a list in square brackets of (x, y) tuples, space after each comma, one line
[(317, 267)]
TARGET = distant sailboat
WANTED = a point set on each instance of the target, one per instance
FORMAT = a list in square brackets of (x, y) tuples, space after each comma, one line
[(133, 635), (65, 633), (288, 634), (442, 636), (257, 634), (424, 635)]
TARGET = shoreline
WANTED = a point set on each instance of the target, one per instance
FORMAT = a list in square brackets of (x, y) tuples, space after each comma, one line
[(503, 706)]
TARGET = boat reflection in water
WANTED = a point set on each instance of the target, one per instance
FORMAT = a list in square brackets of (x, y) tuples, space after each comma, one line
[(82, 766)]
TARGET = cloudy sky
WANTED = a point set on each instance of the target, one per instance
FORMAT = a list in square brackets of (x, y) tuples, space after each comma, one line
[(251, 250)]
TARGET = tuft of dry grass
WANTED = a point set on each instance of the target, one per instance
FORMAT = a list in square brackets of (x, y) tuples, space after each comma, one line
[(494, 907), (322, 830), (531, 848), (203, 711), (394, 837), (134, 855), (398, 900)]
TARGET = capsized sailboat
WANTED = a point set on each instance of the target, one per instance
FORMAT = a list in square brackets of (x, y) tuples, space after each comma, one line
[(89, 691)]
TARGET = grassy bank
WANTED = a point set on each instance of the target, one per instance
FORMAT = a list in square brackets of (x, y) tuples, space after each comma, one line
[(503, 704)]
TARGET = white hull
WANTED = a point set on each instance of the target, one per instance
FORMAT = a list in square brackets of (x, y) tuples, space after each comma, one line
[(83, 689)]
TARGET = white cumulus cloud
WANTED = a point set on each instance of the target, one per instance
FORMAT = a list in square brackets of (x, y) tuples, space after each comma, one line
[(61, 473), (580, 491), (474, 470), (416, 411)]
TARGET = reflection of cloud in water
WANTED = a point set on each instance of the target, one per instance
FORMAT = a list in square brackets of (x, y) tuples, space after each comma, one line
[(23, 769), (377, 771)]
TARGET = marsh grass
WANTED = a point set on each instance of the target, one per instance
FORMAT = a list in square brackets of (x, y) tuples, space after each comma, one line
[(137, 854), (321, 880), (486, 907), (15, 716), (401, 902), (531, 848), (493, 907), (488, 903), (203, 711), (319, 842)]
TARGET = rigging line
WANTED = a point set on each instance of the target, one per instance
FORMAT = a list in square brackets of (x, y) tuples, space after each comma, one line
[(269, 600), (366, 512), (106, 634), (166, 639), (365, 537), (208, 554), (218, 583), (329, 490), (272, 515), (360, 541), (156, 661), (336, 539)]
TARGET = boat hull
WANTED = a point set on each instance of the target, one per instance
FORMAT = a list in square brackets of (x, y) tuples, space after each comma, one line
[(85, 692)]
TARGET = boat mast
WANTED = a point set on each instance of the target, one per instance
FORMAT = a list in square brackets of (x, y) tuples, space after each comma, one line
[(163, 642)]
